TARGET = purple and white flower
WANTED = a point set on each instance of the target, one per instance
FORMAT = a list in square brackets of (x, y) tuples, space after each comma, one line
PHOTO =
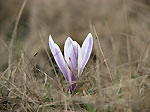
[(75, 57)]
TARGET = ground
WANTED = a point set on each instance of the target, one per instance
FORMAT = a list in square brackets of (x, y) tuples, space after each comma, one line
[(115, 79)]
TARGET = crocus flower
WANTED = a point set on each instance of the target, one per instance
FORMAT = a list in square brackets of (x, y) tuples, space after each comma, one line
[(75, 57)]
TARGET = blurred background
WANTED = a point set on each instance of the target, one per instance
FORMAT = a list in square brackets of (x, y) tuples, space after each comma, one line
[(123, 28), (114, 22)]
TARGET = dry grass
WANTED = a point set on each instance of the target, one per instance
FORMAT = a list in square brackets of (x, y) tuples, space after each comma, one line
[(116, 78)]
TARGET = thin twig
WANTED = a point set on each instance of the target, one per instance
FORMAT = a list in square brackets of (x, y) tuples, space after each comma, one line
[(11, 47), (128, 48), (14, 33), (4, 44), (100, 48)]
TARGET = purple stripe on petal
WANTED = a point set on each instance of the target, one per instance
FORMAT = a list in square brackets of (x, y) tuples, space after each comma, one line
[(73, 85), (70, 53), (86, 51), (58, 57), (72, 88)]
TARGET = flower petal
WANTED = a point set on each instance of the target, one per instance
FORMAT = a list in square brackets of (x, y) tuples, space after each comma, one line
[(59, 58), (85, 53), (70, 53), (72, 88)]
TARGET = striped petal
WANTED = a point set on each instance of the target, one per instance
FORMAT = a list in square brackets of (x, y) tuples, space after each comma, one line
[(59, 58), (70, 53), (85, 52)]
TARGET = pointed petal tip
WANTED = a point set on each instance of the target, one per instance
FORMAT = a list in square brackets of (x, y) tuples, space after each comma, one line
[(90, 38), (50, 36), (85, 53), (68, 41), (50, 40), (90, 35), (69, 38)]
